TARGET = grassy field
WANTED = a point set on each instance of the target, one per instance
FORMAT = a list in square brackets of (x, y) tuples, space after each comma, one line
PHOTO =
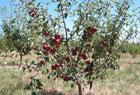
[(125, 81)]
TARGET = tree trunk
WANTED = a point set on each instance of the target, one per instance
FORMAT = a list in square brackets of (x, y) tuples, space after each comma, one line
[(80, 89), (6, 55), (20, 54)]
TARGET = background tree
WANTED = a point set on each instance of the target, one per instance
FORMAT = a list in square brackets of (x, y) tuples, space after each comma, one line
[(4, 46), (131, 48), (16, 38), (16, 32)]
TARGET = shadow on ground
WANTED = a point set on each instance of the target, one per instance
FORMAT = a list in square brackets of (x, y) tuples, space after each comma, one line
[(54, 92)]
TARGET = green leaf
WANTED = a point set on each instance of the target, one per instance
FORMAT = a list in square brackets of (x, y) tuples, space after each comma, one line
[(27, 88), (38, 4), (69, 3), (58, 6), (65, 15), (72, 85), (31, 83), (57, 10), (33, 62), (54, 24), (39, 53), (46, 58), (38, 87), (24, 68), (90, 83), (48, 77), (33, 93), (39, 83)]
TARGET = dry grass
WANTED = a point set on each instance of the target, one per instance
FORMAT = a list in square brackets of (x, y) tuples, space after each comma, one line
[(127, 58), (125, 81), (13, 58)]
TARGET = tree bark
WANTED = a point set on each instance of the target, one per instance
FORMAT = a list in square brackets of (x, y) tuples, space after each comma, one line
[(20, 54), (80, 89), (6, 55)]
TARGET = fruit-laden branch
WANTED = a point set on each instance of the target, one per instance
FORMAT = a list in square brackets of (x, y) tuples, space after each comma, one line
[(65, 28)]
